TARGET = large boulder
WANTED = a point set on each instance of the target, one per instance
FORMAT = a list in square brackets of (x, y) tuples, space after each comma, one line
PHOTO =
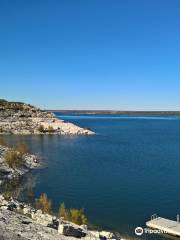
[(71, 230)]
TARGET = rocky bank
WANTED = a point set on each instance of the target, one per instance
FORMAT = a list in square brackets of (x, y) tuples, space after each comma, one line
[(22, 118), (21, 221), (28, 162)]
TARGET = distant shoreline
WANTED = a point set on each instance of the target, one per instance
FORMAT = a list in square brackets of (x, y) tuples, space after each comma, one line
[(111, 112)]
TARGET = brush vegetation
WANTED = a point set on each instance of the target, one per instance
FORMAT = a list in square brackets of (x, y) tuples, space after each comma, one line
[(73, 215), (13, 158), (44, 203), (22, 148)]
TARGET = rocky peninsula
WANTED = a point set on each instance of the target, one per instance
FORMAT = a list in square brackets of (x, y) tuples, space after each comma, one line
[(24, 119)]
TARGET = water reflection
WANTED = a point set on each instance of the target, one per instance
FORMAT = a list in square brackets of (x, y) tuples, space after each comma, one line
[(21, 188)]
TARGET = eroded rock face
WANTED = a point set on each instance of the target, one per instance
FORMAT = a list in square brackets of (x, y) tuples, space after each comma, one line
[(21, 118)]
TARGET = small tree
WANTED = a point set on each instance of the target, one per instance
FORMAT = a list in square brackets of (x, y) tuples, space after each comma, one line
[(74, 215), (7, 195), (22, 148), (44, 203), (3, 142), (50, 129), (63, 212), (13, 159), (41, 128), (77, 216)]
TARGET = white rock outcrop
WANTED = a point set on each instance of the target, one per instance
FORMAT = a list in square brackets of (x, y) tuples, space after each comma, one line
[(24, 119)]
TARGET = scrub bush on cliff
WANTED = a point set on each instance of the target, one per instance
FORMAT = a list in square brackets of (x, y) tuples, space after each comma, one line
[(13, 158), (22, 148), (74, 215), (44, 204)]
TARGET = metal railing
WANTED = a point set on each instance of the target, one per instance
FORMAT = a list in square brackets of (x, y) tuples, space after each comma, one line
[(154, 216)]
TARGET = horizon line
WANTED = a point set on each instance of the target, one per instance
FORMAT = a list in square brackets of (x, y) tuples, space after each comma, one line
[(107, 110)]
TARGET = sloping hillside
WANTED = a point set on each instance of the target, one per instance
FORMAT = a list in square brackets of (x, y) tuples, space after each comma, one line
[(22, 118)]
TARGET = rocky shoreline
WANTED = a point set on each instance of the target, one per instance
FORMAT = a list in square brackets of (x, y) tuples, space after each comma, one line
[(7, 172), (21, 221), (24, 119)]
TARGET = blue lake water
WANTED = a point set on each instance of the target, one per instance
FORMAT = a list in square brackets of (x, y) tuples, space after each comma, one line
[(122, 175)]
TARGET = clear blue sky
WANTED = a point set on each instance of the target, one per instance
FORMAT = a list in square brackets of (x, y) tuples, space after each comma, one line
[(91, 54)]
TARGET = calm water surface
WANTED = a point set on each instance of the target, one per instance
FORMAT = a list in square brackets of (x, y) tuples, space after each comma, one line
[(122, 175)]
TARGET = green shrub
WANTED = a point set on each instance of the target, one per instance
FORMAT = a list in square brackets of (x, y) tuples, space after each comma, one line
[(13, 158), (7, 195), (63, 212), (73, 215), (22, 148), (77, 216), (44, 204), (51, 129), (41, 128), (15, 106)]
